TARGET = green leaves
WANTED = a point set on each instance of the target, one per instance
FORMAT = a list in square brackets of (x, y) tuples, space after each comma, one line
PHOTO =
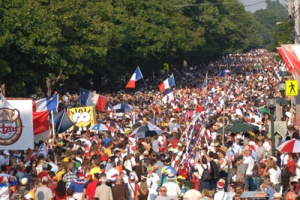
[(75, 40)]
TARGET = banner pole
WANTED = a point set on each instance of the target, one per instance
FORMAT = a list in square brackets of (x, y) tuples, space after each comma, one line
[(52, 120)]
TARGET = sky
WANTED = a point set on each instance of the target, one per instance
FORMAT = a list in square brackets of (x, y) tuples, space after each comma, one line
[(253, 5)]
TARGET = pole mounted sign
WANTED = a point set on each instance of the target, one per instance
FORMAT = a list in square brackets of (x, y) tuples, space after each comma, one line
[(291, 87)]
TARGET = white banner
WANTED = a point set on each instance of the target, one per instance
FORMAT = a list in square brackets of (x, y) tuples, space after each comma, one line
[(16, 125)]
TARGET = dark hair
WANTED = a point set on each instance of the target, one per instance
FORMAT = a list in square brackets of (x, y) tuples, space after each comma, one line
[(28, 169), (190, 185), (204, 160), (61, 189), (70, 192)]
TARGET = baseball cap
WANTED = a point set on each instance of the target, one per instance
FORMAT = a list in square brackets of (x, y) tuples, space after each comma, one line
[(45, 178)]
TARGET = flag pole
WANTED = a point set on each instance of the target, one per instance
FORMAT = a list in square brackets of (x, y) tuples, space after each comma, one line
[(143, 79), (62, 118), (145, 84), (52, 120)]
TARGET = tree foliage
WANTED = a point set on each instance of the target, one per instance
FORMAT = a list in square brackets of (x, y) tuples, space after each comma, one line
[(45, 43)]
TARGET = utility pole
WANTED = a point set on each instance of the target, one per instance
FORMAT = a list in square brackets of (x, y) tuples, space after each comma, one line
[(290, 9), (297, 24)]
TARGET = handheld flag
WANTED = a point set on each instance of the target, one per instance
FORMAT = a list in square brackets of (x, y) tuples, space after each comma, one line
[(40, 122), (62, 122), (169, 82), (168, 96), (224, 72), (46, 104), (89, 98), (137, 75)]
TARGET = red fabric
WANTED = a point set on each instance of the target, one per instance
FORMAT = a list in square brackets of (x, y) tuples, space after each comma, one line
[(42, 174), (200, 109), (174, 143), (91, 189), (40, 122), (291, 166), (101, 103), (195, 180)]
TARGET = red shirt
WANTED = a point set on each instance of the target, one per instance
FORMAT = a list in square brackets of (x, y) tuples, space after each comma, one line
[(174, 143), (91, 189), (291, 166), (42, 174)]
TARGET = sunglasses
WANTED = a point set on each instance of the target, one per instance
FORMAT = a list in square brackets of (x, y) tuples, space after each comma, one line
[(162, 190)]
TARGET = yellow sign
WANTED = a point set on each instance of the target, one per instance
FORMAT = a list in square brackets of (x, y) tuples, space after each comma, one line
[(166, 66), (291, 88), (83, 117)]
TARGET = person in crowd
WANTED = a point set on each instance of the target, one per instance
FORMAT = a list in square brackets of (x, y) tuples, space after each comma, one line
[(43, 192), (120, 190), (191, 193), (103, 192), (173, 189), (163, 194)]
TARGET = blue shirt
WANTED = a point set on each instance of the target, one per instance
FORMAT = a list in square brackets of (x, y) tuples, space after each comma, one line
[(270, 193)]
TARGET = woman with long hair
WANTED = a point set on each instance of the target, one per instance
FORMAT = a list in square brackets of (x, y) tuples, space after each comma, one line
[(142, 193), (292, 193), (60, 192), (274, 173)]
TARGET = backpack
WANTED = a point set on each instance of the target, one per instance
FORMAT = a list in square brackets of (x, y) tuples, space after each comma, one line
[(215, 170), (19, 194), (206, 175)]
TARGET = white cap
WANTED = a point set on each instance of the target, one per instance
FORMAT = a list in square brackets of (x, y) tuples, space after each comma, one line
[(5, 152)]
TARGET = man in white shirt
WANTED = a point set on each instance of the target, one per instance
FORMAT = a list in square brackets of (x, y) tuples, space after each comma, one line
[(173, 189), (249, 162), (221, 194), (4, 159)]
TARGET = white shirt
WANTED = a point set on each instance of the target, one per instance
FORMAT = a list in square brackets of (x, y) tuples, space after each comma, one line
[(112, 172), (128, 165), (152, 194), (4, 195), (267, 146), (172, 189), (192, 195), (4, 161), (298, 170), (250, 162), (220, 195), (153, 180), (275, 175)]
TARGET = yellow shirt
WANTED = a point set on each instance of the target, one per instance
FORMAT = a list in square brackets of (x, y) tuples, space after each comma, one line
[(59, 175), (95, 170), (32, 194), (107, 152)]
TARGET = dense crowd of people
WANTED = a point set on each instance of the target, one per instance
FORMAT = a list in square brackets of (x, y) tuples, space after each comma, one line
[(189, 160)]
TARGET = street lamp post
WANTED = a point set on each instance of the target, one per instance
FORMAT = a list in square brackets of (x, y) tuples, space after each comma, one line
[(281, 87), (272, 106)]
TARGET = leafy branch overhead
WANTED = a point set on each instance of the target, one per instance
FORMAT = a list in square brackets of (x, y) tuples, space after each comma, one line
[(50, 43)]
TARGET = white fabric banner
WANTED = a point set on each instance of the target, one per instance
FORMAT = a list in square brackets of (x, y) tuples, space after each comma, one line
[(16, 125)]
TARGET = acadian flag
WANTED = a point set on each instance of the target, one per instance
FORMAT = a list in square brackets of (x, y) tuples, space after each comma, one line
[(137, 75), (89, 98), (169, 82), (46, 104)]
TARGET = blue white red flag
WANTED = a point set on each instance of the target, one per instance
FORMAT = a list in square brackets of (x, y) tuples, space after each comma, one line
[(169, 82), (89, 98), (46, 104), (137, 75)]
